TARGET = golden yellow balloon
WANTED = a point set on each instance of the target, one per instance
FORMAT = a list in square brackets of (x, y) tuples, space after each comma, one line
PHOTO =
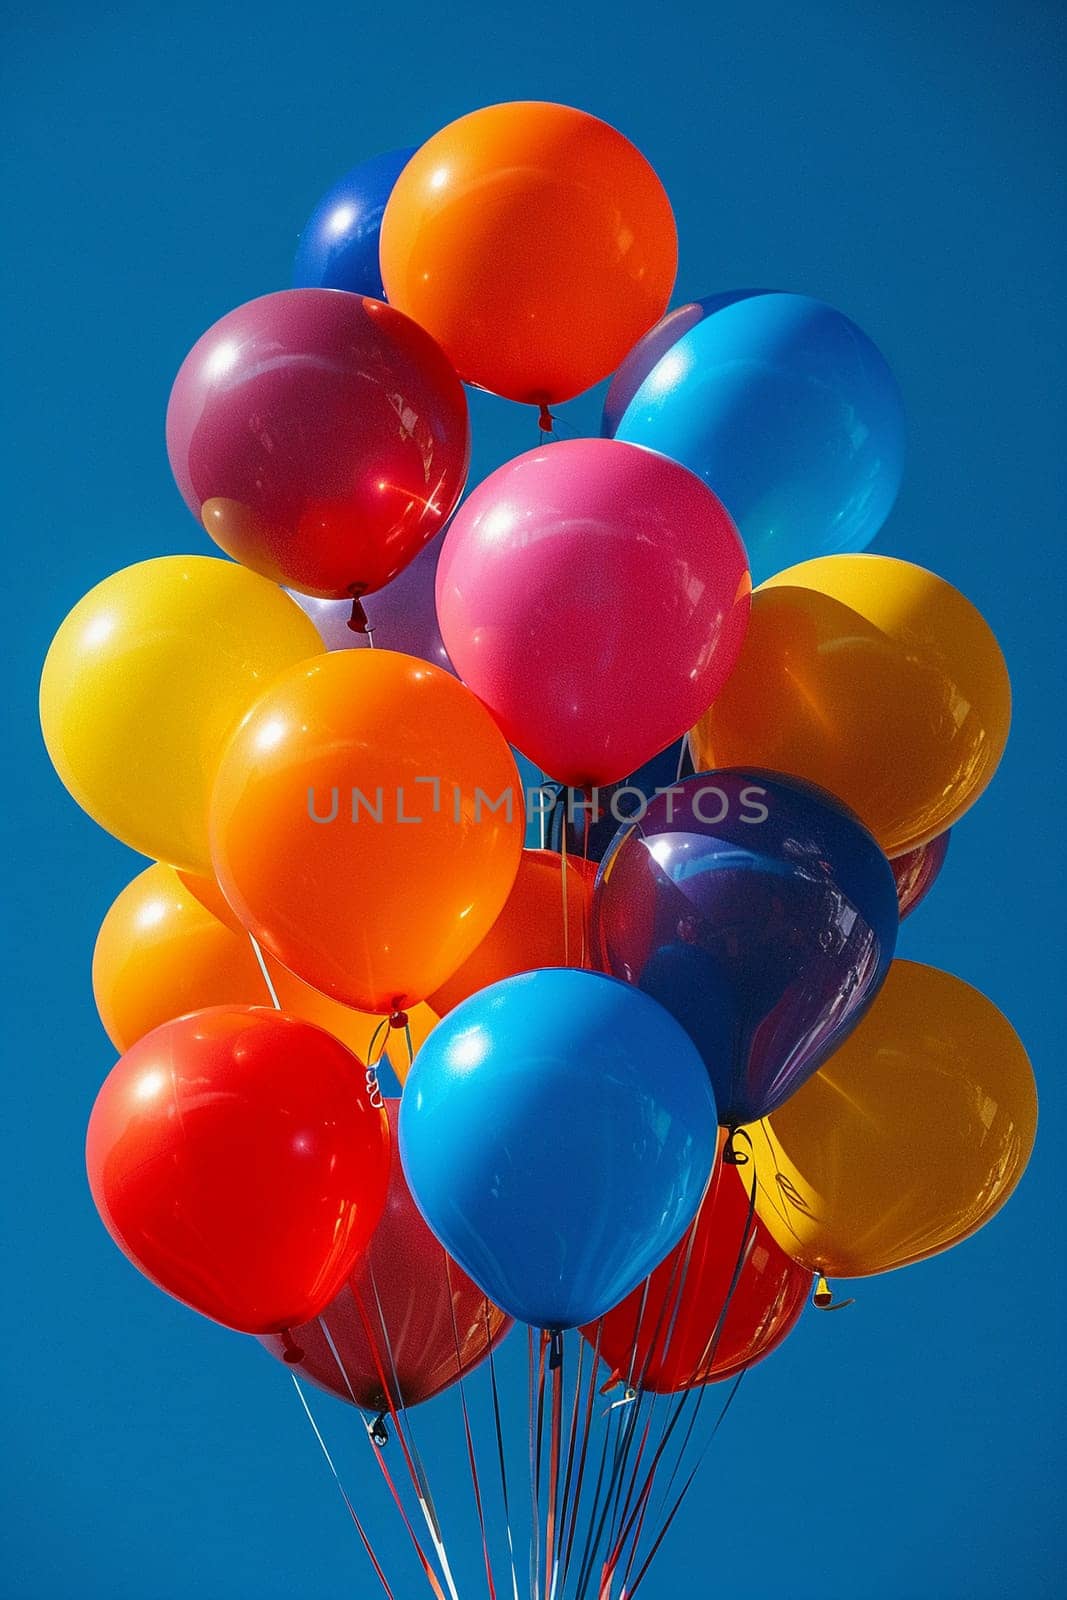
[(907, 1140), (874, 679), (144, 684), (170, 945)]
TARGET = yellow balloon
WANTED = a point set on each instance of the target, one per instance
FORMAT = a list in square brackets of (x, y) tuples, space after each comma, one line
[(907, 1140), (875, 680), (146, 680), (170, 945)]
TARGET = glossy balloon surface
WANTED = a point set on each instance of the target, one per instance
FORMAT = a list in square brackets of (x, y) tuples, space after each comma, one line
[(595, 596), (918, 871), (558, 1131), (761, 914), (367, 825), (145, 682), (783, 406), (321, 438), (888, 689), (535, 243), (235, 1157), (671, 1333), (408, 1322), (170, 945), (908, 1139), (339, 245)]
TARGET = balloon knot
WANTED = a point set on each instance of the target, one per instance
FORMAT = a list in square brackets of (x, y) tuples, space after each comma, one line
[(823, 1297), (292, 1354), (545, 420), (612, 1383), (379, 1432), (555, 1350), (358, 620), (398, 1018), (731, 1155)]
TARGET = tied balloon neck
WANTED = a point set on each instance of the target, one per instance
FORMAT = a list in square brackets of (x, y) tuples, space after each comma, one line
[(379, 1432), (358, 620), (545, 420), (397, 1017), (629, 1393), (555, 1349), (292, 1354), (823, 1297), (732, 1154)]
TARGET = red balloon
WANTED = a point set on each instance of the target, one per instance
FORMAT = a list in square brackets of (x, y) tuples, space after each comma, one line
[(320, 437), (235, 1156), (673, 1326), (408, 1323), (918, 870)]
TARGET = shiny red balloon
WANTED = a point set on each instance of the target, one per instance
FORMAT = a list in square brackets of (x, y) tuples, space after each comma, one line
[(320, 437), (408, 1323), (664, 1340), (235, 1156), (917, 871)]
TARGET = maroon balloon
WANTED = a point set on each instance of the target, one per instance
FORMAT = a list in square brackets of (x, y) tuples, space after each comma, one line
[(666, 1335), (439, 1324), (402, 616), (918, 871), (321, 438)]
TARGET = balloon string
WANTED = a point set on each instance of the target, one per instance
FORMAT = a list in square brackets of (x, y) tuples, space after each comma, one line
[(467, 1431), (536, 1396), (683, 751), (563, 881), (572, 1441), (555, 1438), (271, 990), (583, 1452), (501, 1455), (368, 1547), (587, 954)]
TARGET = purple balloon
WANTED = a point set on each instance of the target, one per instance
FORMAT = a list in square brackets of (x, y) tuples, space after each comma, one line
[(402, 616), (761, 914)]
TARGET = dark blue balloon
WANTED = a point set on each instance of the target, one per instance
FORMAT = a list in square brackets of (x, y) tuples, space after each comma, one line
[(783, 406), (761, 914), (557, 1131), (339, 245)]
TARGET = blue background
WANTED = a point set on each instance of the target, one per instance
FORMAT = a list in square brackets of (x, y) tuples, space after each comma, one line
[(898, 161)]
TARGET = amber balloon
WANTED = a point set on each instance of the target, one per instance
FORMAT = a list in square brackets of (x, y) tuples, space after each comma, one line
[(887, 688), (535, 243), (367, 824), (910, 1137), (683, 1326), (532, 930), (170, 944)]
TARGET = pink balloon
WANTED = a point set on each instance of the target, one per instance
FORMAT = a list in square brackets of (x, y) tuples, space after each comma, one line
[(594, 595)]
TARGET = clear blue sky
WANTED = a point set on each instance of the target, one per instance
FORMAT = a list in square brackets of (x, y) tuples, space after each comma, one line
[(899, 161)]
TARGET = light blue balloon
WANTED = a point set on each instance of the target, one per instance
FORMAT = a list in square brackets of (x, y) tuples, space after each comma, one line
[(786, 410), (557, 1131)]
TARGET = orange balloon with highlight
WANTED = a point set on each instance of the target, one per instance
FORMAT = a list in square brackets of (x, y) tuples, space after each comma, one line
[(366, 825), (531, 932), (170, 945), (535, 243)]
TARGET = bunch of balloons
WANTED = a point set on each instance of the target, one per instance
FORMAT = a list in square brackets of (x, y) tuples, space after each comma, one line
[(311, 743)]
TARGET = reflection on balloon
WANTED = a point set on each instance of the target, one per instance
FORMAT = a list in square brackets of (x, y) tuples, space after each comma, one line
[(406, 1325), (146, 680), (558, 1131), (761, 914), (322, 439), (786, 410), (235, 1157), (595, 597), (691, 1323), (367, 825), (888, 690), (535, 243), (918, 871), (908, 1139), (339, 245)]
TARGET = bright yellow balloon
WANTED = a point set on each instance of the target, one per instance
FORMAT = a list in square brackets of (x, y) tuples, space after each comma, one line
[(907, 1140), (144, 684), (874, 679), (170, 945)]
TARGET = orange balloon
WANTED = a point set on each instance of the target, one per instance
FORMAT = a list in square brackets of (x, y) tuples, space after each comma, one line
[(170, 945), (535, 243), (366, 825), (530, 932)]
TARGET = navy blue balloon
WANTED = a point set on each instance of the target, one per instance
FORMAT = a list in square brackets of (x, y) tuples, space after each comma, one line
[(558, 1131), (761, 914), (783, 406), (339, 245)]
